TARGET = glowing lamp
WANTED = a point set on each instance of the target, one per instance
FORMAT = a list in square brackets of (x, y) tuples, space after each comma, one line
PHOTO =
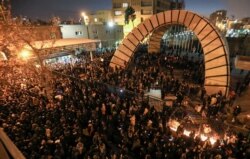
[(25, 54), (83, 14), (186, 132), (110, 24), (173, 124), (212, 140), (203, 137)]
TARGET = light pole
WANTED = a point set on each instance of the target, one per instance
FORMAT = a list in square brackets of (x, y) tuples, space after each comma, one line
[(111, 33), (85, 22)]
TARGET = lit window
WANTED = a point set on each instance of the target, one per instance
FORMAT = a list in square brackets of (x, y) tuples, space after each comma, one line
[(146, 12), (118, 12), (124, 5)]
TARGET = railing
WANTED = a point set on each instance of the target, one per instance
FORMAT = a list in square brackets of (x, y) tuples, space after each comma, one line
[(7, 148)]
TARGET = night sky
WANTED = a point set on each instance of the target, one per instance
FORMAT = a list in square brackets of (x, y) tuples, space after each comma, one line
[(68, 9)]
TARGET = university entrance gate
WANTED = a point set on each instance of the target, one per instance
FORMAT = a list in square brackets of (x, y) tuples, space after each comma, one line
[(216, 58)]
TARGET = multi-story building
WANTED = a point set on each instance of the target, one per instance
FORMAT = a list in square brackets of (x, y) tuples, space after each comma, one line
[(218, 16), (108, 35), (177, 4), (230, 27), (100, 17), (143, 10)]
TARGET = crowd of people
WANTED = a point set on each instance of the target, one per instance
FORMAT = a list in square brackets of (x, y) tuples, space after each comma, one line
[(77, 113)]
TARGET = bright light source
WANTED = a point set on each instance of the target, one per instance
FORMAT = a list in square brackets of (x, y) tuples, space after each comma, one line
[(101, 59), (95, 19), (111, 24), (83, 14), (203, 137), (173, 124), (212, 140), (38, 66), (25, 54), (186, 132)]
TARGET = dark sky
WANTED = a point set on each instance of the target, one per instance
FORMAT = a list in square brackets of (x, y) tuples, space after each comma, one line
[(44, 9)]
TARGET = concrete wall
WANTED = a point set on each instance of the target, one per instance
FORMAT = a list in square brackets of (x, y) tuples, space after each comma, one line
[(108, 35), (73, 31)]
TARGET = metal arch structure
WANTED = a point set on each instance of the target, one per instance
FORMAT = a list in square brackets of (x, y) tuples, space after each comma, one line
[(215, 49)]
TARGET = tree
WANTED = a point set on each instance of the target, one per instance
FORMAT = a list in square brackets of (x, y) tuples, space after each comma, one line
[(130, 15), (16, 36)]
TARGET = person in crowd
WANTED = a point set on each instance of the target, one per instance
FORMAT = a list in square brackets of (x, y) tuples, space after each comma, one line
[(87, 111)]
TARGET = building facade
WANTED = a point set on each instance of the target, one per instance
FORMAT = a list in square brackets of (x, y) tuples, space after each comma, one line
[(218, 16), (143, 10), (73, 31), (177, 4), (100, 17), (108, 35)]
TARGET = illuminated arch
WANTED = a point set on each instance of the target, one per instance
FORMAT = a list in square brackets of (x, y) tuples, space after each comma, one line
[(216, 59)]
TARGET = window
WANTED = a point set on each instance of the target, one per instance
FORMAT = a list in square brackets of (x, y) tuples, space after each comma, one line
[(78, 32), (146, 3), (118, 12), (124, 5), (107, 31), (146, 12), (94, 31), (137, 12), (136, 3), (117, 5)]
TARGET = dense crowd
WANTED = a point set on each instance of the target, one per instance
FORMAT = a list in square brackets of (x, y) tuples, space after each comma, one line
[(76, 113)]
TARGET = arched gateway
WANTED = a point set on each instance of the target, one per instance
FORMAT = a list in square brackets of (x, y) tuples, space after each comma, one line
[(217, 71)]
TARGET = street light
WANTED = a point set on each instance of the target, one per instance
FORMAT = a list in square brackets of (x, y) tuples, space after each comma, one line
[(83, 14), (85, 18), (85, 22), (112, 33), (25, 54), (110, 24)]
